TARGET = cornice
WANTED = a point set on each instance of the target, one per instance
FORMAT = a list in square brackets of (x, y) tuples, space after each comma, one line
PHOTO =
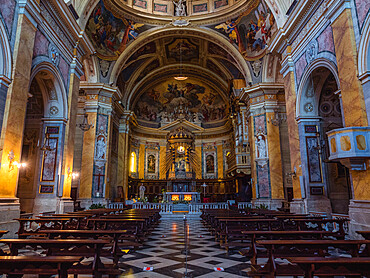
[(297, 20), (122, 10), (263, 88)]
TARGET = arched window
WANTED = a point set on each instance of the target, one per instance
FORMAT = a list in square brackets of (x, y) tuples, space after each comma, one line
[(133, 163)]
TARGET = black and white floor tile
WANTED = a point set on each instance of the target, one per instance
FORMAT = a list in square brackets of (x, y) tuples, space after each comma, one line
[(163, 251)]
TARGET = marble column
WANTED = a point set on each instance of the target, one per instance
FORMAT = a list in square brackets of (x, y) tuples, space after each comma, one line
[(95, 162), (13, 121), (299, 203), (64, 190), (124, 153), (274, 149), (267, 172), (354, 111)]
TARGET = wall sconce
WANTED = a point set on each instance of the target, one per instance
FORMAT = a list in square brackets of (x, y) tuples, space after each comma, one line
[(278, 118), (71, 174), (85, 126), (13, 163), (292, 174)]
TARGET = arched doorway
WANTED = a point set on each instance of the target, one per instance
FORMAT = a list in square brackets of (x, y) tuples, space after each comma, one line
[(42, 144), (331, 118), (319, 107)]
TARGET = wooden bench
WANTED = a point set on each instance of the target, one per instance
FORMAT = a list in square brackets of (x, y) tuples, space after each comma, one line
[(19, 265), (329, 267), (299, 248)]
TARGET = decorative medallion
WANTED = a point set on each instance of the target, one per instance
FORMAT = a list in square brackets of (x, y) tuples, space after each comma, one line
[(257, 66), (104, 67), (311, 51), (308, 107), (54, 110), (326, 108), (54, 54)]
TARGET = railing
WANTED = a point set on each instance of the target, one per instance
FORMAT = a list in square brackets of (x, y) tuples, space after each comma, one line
[(164, 207), (195, 208), (245, 205), (168, 208), (116, 206), (334, 227)]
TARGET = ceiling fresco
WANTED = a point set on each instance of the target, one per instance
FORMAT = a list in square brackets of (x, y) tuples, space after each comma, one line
[(185, 49), (251, 31), (109, 34), (168, 100)]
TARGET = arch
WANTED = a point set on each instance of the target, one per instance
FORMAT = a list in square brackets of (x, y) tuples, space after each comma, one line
[(364, 51), (160, 32), (130, 99), (59, 87), (318, 63), (5, 56)]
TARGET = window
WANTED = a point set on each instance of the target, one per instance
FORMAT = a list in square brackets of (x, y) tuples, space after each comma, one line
[(133, 163)]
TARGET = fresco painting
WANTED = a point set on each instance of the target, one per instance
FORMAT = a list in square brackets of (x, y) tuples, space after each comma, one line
[(251, 31), (110, 34), (183, 48), (165, 101)]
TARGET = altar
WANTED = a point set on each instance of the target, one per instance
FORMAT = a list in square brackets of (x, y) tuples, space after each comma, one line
[(193, 197)]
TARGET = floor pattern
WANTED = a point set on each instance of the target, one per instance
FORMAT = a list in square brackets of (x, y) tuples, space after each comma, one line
[(164, 251)]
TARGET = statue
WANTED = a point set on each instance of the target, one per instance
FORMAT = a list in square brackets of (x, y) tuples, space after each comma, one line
[(261, 147), (142, 191), (180, 9), (100, 149)]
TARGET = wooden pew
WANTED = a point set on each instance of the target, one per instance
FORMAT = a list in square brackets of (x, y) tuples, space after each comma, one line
[(299, 248), (253, 236), (317, 266), (118, 238), (19, 265)]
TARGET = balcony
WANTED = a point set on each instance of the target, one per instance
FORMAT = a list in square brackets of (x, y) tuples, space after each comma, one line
[(350, 146)]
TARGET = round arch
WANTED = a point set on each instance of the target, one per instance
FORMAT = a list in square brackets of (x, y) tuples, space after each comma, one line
[(60, 100), (303, 99), (5, 56), (364, 50), (161, 32), (131, 98)]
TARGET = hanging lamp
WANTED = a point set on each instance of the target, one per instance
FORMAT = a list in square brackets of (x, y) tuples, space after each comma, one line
[(181, 77)]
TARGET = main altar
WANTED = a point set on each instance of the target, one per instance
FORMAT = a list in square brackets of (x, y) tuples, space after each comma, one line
[(181, 162)]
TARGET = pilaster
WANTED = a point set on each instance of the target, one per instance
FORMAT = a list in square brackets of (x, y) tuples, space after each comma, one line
[(94, 179), (123, 153), (294, 143), (354, 111)]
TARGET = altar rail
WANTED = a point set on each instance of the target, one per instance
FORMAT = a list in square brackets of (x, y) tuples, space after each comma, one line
[(168, 208), (334, 216)]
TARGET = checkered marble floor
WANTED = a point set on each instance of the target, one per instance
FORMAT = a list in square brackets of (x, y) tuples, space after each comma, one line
[(163, 251)]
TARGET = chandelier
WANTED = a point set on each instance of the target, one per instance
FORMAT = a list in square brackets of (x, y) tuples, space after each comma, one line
[(181, 77)]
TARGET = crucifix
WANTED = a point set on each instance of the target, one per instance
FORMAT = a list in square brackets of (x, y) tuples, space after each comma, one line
[(99, 176)]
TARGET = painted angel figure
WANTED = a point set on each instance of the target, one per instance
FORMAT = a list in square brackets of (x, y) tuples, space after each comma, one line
[(231, 30), (180, 9)]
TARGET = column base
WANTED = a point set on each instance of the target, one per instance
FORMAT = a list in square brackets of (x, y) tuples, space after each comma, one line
[(272, 204), (319, 204), (65, 205), (359, 213), (86, 203), (298, 206), (45, 203), (9, 210)]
